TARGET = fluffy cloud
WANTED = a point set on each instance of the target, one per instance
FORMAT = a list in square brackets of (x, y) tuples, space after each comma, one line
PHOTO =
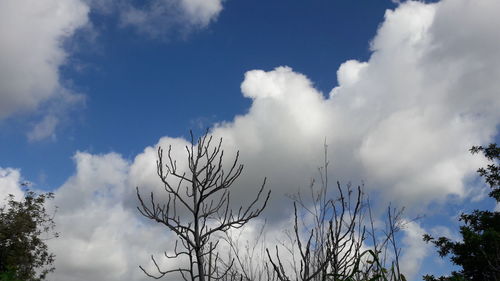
[(401, 122), (108, 240), (31, 44), (31, 52), (415, 250), (32, 47), (9, 184)]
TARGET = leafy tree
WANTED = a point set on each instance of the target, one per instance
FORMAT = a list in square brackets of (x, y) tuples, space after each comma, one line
[(479, 252), (492, 172), (8, 276), (198, 207), (24, 255)]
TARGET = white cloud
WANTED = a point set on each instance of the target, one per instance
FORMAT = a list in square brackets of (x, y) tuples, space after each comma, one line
[(107, 239), (31, 50), (414, 250), (416, 112), (443, 231), (44, 129), (10, 184), (201, 12), (31, 53), (162, 16)]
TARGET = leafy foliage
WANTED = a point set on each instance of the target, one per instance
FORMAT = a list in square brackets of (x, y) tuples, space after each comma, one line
[(479, 252), (492, 172), (8, 276), (23, 252)]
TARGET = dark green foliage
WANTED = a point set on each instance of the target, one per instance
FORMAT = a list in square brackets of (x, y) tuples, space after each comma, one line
[(492, 172), (479, 252), (24, 227), (8, 276), (454, 277)]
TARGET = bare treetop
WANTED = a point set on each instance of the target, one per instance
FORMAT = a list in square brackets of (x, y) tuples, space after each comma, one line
[(205, 193)]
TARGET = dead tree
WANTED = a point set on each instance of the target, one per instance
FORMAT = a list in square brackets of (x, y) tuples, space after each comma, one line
[(329, 234), (329, 244), (198, 206)]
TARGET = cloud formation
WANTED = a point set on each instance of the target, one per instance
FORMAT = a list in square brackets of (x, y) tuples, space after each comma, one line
[(31, 51), (32, 48), (415, 249), (107, 240), (162, 16), (402, 122), (10, 184)]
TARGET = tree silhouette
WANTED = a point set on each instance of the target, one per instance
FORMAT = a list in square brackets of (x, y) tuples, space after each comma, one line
[(198, 206), (327, 241), (479, 251), (23, 252)]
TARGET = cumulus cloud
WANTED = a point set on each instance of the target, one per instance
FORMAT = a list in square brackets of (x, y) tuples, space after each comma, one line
[(107, 239), (31, 51), (9, 184), (32, 48), (402, 122), (415, 249)]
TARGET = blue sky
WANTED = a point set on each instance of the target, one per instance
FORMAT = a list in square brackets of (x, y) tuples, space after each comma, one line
[(400, 91), (138, 88)]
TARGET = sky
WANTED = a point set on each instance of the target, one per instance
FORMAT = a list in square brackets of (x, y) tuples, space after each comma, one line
[(398, 90)]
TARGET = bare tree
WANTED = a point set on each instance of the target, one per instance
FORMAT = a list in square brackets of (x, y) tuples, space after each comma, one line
[(203, 193), (331, 246), (329, 235), (329, 243), (249, 256)]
